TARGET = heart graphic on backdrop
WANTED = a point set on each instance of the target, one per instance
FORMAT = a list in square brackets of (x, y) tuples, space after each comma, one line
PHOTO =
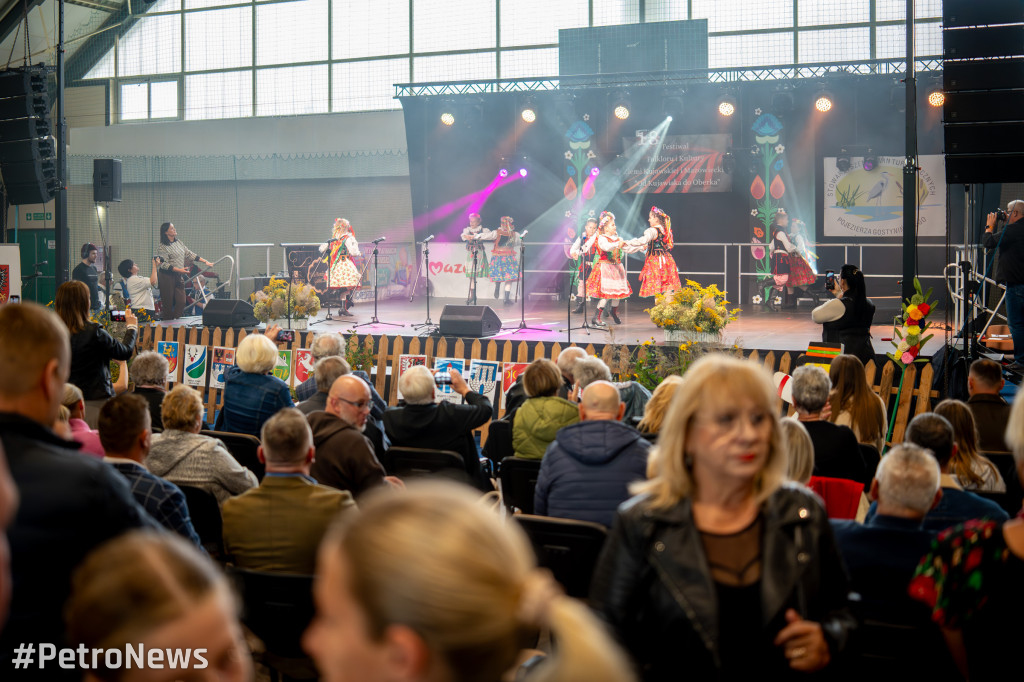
[(436, 266)]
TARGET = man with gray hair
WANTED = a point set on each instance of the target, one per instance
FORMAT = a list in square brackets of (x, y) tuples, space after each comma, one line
[(325, 373), (1009, 243), (149, 372), (277, 527), (634, 396), (567, 359), (328, 345), (836, 451)]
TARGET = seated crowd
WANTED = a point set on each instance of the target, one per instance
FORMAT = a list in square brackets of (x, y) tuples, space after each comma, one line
[(738, 543)]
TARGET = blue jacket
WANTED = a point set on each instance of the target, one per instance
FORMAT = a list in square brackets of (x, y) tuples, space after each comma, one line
[(250, 400), (956, 506), (586, 471)]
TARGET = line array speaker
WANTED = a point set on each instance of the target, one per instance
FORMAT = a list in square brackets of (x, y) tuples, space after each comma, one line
[(27, 159)]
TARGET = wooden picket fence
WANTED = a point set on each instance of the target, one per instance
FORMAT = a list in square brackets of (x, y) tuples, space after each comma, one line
[(908, 398)]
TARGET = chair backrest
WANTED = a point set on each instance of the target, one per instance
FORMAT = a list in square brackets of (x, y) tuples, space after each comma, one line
[(871, 457), (206, 519), (277, 607), (518, 480), (242, 447), (1014, 496), (419, 462), (499, 441), (567, 548), (841, 496), (899, 641)]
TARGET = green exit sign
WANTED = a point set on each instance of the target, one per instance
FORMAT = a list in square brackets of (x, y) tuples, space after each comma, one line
[(39, 216)]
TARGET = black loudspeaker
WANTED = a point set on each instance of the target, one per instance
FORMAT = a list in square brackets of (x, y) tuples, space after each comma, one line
[(106, 179), (26, 148), (228, 312), (469, 320)]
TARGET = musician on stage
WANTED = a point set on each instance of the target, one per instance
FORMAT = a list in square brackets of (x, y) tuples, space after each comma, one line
[(660, 274), (476, 256), (608, 279), (584, 260), (342, 273), (504, 265), (173, 271)]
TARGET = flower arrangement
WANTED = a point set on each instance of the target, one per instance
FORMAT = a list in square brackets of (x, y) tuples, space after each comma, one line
[(693, 308), (359, 355), (649, 362), (272, 302), (911, 326)]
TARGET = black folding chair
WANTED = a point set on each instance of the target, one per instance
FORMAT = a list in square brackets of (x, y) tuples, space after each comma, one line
[(206, 519), (871, 457), (499, 441), (569, 549), (421, 462), (242, 447), (277, 608), (518, 478), (1007, 467)]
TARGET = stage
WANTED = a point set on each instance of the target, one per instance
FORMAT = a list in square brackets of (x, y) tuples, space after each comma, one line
[(758, 327)]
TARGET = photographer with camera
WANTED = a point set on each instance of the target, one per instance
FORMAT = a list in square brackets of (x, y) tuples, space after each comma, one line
[(847, 318), (1009, 243), (138, 290)]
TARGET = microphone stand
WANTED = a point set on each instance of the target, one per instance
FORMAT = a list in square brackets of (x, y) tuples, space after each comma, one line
[(426, 258), (474, 245), (585, 326), (374, 320), (522, 301)]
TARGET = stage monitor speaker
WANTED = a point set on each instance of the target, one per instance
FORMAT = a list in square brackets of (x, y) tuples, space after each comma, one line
[(106, 179), (228, 312), (469, 320)]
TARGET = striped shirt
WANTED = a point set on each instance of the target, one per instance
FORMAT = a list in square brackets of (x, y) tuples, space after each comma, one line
[(174, 255)]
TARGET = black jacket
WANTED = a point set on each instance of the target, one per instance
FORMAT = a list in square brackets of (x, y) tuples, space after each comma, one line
[(92, 349), (1010, 241), (654, 587), (853, 329)]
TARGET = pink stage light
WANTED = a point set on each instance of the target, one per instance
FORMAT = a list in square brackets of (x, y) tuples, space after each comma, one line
[(522, 172), (595, 170), (503, 173)]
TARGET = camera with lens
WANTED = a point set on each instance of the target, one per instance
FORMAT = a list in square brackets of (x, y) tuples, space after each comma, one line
[(1001, 216), (158, 259)]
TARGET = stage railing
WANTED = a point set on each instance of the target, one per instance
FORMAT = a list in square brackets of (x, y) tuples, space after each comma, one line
[(238, 258)]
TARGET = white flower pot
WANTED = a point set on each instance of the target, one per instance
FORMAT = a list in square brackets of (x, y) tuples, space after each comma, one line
[(298, 323), (680, 336)]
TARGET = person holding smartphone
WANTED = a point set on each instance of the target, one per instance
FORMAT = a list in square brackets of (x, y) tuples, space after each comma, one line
[(847, 318)]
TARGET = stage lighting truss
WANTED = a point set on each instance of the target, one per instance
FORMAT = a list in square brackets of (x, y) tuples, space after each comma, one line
[(621, 105), (823, 101), (726, 105)]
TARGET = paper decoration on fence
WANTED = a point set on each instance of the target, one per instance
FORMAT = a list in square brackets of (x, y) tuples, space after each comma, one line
[(510, 371), (303, 365), (445, 393), (195, 365), (222, 359), (169, 349), (404, 363), (283, 369), (5, 282), (484, 376)]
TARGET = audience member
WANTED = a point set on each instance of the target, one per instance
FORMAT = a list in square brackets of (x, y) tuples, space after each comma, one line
[(278, 526), (715, 536), (92, 348), (157, 593), (836, 451), (539, 418), (183, 456), (634, 395), (971, 470), (843, 498), (587, 470), (657, 406), (854, 404), (69, 503), (88, 438), (394, 603), (972, 582), (991, 412), (935, 433), (149, 372), (345, 456), (516, 396), (138, 290), (325, 373), (8, 508), (252, 394), (62, 425), (800, 448), (125, 432), (333, 345), (422, 423)]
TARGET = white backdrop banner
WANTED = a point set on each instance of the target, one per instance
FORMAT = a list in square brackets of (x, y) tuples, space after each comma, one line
[(448, 272)]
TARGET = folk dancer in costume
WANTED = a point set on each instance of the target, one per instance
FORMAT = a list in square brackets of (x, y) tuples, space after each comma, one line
[(608, 280), (802, 261), (476, 256), (660, 275), (585, 260), (789, 269), (342, 273), (504, 266)]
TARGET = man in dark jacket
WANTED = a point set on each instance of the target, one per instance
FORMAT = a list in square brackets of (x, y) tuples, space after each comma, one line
[(330, 345), (991, 412), (586, 471), (345, 458), (70, 504), (445, 426), (1009, 243)]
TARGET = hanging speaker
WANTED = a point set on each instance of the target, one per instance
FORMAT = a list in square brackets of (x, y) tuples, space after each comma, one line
[(106, 180), (471, 321)]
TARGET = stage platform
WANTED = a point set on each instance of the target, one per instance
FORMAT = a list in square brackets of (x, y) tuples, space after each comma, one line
[(757, 327)]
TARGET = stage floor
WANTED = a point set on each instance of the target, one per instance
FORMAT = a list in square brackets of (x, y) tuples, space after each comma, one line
[(757, 327)]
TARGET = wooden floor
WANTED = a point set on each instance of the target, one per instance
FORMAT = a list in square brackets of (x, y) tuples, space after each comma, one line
[(757, 327)]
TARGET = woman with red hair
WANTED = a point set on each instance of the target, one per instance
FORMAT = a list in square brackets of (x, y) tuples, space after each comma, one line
[(660, 274)]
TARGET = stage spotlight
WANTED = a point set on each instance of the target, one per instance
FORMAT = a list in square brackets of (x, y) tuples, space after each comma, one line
[(823, 102), (448, 118), (843, 160), (870, 160), (522, 172), (727, 106), (936, 98), (622, 112), (503, 173), (595, 171), (672, 104), (620, 106), (529, 115)]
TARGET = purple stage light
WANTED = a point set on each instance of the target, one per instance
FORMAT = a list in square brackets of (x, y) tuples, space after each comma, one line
[(595, 170), (522, 172), (503, 173)]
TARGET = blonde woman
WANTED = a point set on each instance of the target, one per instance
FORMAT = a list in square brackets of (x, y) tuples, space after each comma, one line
[(716, 554), (657, 406), (800, 448), (155, 592), (972, 471), (252, 394), (428, 585)]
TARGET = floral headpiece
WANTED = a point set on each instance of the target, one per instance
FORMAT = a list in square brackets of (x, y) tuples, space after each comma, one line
[(343, 224), (506, 221), (667, 222), (606, 216)]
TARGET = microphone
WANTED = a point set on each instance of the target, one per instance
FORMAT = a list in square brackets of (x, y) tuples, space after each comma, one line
[(45, 262), (523, 233), (427, 239), (378, 240)]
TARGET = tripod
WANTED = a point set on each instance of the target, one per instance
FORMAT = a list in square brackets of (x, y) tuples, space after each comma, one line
[(522, 290), (428, 323), (374, 320)]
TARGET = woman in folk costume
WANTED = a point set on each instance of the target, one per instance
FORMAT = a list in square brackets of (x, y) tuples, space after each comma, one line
[(504, 265), (608, 279), (476, 257), (660, 274), (342, 272), (789, 269), (584, 260)]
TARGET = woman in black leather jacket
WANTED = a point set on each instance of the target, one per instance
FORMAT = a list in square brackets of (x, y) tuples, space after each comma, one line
[(719, 569), (847, 318), (92, 348)]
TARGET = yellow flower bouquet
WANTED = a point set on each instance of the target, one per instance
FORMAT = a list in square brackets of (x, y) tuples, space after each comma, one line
[(693, 308), (272, 302)]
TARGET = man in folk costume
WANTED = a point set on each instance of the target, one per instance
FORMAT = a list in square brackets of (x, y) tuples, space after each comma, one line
[(584, 260), (504, 265), (608, 280), (342, 273), (660, 275), (476, 257)]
